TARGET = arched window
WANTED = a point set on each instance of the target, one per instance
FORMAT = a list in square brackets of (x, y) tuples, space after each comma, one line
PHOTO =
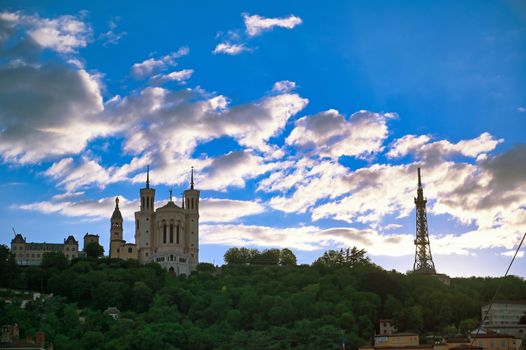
[(177, 235), (192, 203), (171, 232), (151, 202), (142, 202), (147, 202), (171, 258), (164, 233)]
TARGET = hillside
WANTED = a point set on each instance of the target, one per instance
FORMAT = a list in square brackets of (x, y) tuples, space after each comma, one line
[(237, 306)]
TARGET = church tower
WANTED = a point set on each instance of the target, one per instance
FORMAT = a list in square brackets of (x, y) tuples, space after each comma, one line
[(144, 221), (191, 207), (423, 259), (116, 231)]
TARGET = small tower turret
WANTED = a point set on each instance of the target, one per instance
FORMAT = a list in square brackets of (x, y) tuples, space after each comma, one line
[(116, 230), (191, 206)]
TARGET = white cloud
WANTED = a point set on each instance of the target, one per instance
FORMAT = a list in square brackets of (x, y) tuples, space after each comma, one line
[(422, 149), (112, 37), (329, 134), (511, 253), (179, 76), (211, 209), (309, 238), (227, 210), (309, 180), (521, 109), (230, 48), (283, 86), (151, 65), (64, 113), (256, 24), (64, 34)]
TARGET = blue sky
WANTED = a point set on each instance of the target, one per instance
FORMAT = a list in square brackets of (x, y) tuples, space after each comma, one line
[(305, 123)]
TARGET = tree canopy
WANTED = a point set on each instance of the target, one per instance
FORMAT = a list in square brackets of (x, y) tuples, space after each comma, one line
[(239, 306)]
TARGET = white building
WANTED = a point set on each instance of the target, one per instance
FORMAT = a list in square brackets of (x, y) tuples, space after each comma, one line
[(168, 235), (504, 317)]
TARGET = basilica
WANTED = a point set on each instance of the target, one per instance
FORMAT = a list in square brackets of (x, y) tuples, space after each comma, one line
[(168, 235)]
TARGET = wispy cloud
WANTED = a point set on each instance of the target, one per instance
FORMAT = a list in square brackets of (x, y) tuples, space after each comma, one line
[(235, 42), (230, 49), (147, 67), (256, 24)]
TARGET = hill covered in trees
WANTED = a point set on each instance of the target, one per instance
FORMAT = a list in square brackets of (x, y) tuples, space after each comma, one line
[(262, 303)]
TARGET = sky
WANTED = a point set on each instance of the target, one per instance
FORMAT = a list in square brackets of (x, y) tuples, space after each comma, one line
[(305, 123)]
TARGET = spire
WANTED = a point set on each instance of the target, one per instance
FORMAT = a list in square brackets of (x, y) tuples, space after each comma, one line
[(170, 195), (419, 179), (192, 179), (148, 176), (116, 202)]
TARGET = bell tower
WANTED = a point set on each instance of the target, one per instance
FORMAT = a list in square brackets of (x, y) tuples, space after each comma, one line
[(144, 221), (423, 259), (116, 231), (191, 207)]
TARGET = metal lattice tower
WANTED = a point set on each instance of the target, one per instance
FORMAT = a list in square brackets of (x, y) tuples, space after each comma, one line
[(423, 259)]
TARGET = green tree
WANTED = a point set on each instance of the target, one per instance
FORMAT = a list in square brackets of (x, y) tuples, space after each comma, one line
[(94, 250), (54, 260), (287, 257)]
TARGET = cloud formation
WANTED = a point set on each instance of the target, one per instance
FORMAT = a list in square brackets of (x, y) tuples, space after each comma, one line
[(329, 134), (230, 49), (235, 42), (256, 24), (73, 205), (151, 65)]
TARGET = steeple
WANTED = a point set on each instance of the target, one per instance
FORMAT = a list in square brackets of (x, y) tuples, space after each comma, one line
[(148, 176), (116, 213), (192, 179), (423, 258), (170, 195)]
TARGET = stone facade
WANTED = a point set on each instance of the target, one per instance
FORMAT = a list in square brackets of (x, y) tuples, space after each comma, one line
[(30, 253), (168, 235)]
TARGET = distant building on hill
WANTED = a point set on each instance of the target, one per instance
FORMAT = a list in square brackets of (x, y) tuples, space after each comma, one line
[(496, 341), (11, 339), (31, 253), (90, 238), (504, 317), (386, 327), (168, 235)]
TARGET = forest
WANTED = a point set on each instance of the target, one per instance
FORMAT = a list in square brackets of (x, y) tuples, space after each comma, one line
[(257, 300)]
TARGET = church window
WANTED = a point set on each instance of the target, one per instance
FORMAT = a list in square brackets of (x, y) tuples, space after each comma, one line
[(137, 225), (146, 254), (192, 203), (177, 234), (118, 250), (147, 202), (130, 250), (171, 258), (171, 233), (142, 202), (115, 233), (164, 233), (151, 199)]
